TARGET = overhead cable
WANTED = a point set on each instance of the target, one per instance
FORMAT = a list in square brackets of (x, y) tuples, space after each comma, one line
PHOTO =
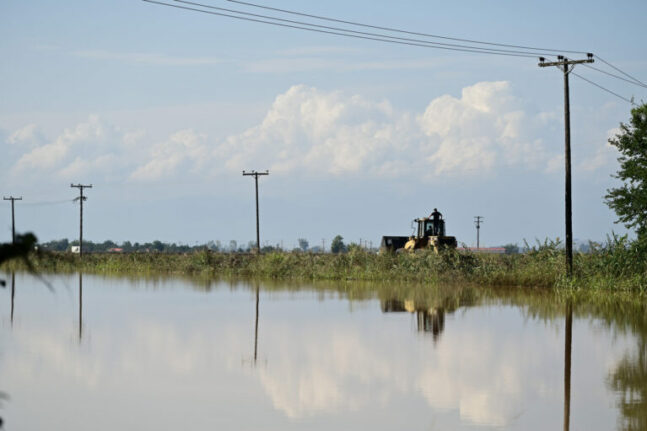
[(605, 89), (292, 12), (380, 35), (356, 36), (618, 70), (615, 76)]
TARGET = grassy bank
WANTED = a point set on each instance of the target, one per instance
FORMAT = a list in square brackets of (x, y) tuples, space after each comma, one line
[(619, 266)]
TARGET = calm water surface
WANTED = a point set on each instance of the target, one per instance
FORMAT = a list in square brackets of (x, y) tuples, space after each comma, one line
[(172, 354)]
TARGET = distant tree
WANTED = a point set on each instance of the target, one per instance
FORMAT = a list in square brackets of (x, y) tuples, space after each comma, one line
[(233, 246), (353, 247), (56, 245), (303, 244), (107, 245), (127, 246), (158, 245), (630, 200), (511, 249), (337, 245)]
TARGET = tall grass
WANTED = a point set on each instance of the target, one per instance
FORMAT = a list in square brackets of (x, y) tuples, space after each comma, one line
[(618, 265)]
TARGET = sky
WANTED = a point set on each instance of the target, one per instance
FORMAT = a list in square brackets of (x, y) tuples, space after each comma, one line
[(161, 109)]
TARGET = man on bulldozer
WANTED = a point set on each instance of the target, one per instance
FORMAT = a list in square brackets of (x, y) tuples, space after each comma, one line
[(430, 234)]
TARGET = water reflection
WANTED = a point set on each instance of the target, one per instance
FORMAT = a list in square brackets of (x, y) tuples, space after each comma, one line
[(163, 351), (629, 380), (80, 306), (429, 319), (568, 339), (256, 326), (13, 294)]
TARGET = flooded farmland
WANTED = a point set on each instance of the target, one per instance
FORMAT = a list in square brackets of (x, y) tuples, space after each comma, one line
[(109, 353)]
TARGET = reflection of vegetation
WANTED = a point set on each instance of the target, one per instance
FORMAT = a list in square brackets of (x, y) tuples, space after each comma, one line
[(630, 380), (19, 249)]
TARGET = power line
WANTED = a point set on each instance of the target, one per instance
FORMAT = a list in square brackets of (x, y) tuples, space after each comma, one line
[(618, 70), (616, 76), (493, 50), (396, 30), (605, 89), (42, 203), (299, 25), (81, 198), (13, 218), (566, 66), (256, 175), (477, 222), (379, 39)]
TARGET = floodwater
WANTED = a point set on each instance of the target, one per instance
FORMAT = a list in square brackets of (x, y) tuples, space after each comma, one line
[(117, 354)]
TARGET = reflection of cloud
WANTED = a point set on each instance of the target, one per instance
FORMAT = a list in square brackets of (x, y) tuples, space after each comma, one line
[(335, 373), (481, 375), (316, 364)]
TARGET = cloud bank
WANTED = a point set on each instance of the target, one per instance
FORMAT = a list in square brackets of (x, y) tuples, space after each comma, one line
[(310, 132)]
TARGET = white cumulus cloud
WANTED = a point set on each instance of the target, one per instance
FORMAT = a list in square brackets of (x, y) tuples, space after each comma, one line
[(311, 132)]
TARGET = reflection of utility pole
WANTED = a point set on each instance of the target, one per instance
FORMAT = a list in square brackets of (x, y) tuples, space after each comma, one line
[(80, 306), (256, 328), (256, 175), (566, 66), (13, 293), (567, 364), (81, 198), (477, 221), (13, 219)]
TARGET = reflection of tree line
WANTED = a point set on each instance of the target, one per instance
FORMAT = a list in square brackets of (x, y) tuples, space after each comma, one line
[(629, 380)]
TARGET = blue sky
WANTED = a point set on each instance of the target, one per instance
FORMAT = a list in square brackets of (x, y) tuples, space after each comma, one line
[(160, 109)]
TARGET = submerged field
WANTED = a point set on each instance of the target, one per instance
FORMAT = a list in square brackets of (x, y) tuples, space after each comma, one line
[(616, 267)]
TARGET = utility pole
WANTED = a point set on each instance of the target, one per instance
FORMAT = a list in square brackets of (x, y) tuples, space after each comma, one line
[(477, 221), (566, 66), (81, 198), (13, 218), (256, 175)]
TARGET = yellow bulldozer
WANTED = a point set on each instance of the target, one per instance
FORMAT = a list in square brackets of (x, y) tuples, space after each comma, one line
[(429, 233)]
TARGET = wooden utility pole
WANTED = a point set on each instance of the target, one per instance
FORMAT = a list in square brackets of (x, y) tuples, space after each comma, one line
[(81, 198), (477, 221), (256, 175), (13, 218), (566, 66)]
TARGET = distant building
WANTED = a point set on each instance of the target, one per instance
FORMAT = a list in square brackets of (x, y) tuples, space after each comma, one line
[(115, 250), (75, 249)]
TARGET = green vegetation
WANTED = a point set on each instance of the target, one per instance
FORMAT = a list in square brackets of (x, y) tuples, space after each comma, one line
[(630, 200), (618, 265), (337, 245)]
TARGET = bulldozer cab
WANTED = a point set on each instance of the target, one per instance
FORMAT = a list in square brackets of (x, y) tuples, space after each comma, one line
[(429, 227)]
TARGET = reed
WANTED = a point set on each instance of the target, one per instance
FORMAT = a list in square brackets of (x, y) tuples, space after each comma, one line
[(619, 265)]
